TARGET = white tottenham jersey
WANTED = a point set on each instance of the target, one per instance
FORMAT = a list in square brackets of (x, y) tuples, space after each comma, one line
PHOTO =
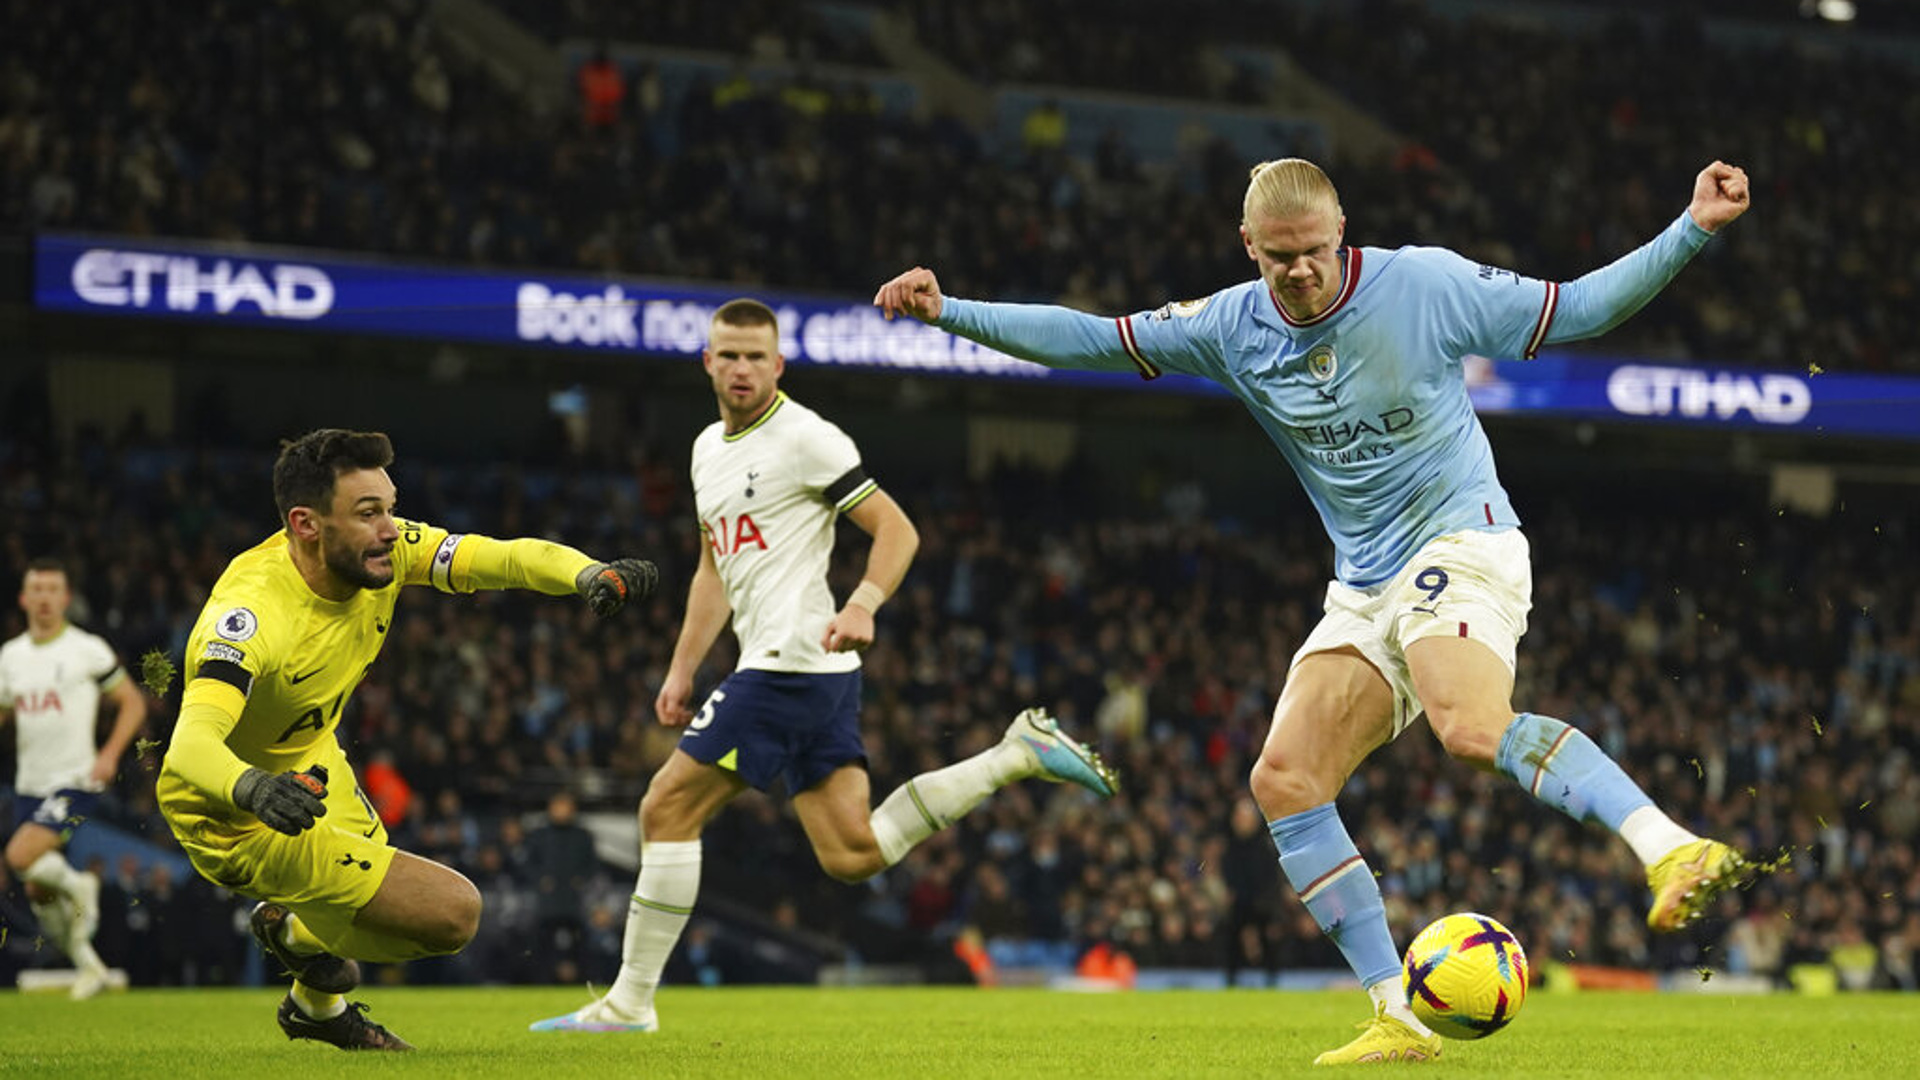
[(768, 496), (53, 688)]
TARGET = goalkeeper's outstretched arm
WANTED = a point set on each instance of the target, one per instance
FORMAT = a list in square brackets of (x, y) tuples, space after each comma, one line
[(197, 753), (482, 562)]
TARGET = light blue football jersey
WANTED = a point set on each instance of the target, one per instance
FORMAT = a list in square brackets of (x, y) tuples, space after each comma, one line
[(1368, 400)]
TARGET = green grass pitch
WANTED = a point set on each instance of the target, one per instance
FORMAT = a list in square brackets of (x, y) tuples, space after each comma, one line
[(945, 1033)]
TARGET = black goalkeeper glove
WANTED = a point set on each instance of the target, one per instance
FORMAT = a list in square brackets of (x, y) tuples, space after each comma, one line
[(287, 802), (609, 586)]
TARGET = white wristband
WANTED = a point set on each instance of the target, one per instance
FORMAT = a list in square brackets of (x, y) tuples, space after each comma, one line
[(868, 597)]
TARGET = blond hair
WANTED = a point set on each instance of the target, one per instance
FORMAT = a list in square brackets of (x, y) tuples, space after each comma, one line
[(1287, 188)]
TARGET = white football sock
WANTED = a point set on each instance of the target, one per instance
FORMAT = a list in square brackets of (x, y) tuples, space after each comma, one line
[(85, 958), (1652, 834), (1391, 995), (662, 900), (51, 913), (50, 871), (932, 801)]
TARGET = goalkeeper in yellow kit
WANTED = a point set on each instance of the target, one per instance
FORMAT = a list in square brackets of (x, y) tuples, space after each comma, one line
[(256, 786)]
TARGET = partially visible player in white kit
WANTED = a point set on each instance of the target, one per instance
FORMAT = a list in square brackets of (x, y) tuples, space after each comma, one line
[(769, 480), (51, 681), (1352, 361)]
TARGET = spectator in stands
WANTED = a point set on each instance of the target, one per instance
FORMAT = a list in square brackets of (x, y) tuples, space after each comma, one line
[(1253, 889), (564, 869), (383, 782), (1044, 131), (603, 88)]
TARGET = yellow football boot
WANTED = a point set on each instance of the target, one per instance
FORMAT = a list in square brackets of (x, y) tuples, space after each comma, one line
[(1382, 1040), (1687, 879)]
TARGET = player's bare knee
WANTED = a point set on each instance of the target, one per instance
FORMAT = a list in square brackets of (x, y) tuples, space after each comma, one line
[(663, 817), (660, 822), (23, 850), (851, 866), (1281, 788), (1468, 735), (455, 920)]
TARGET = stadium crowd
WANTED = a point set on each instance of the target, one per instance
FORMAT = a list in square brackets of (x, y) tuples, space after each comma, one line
[(1758, 672), (361, 127), (763, 29), (1132, 45)]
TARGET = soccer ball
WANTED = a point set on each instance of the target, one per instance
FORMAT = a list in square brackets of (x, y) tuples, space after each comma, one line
[(1466, 976)]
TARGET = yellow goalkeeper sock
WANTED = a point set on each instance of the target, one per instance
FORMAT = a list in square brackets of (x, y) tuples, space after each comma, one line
[(316, 1004)]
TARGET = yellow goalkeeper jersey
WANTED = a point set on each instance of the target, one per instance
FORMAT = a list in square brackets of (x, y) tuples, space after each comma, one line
[(277, 662)]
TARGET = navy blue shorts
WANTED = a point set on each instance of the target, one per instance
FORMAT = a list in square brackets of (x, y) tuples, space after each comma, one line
[(768, 725), (61, 811)]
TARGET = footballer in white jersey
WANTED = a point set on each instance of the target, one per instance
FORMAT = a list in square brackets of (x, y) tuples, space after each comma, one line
[(768, 496), (52, 679), (769, 481), (53, 689)]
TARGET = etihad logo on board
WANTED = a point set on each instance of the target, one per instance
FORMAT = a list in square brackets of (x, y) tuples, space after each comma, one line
[(1646, 390), (149, 281)]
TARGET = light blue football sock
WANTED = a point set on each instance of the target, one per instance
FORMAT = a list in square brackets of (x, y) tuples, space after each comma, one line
[(1338, 888), (1563, 768)]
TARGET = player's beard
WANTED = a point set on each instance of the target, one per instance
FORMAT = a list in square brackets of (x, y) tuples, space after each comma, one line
[(349, 564), (749, 408)]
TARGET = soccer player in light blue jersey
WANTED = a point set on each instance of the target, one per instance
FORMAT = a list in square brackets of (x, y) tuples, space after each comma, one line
[(1351, 359)]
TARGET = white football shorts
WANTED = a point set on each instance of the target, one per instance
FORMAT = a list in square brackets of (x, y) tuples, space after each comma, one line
[(1473, 584)]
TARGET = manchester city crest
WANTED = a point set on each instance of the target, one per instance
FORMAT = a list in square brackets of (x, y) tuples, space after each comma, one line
[(1321, 363)]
